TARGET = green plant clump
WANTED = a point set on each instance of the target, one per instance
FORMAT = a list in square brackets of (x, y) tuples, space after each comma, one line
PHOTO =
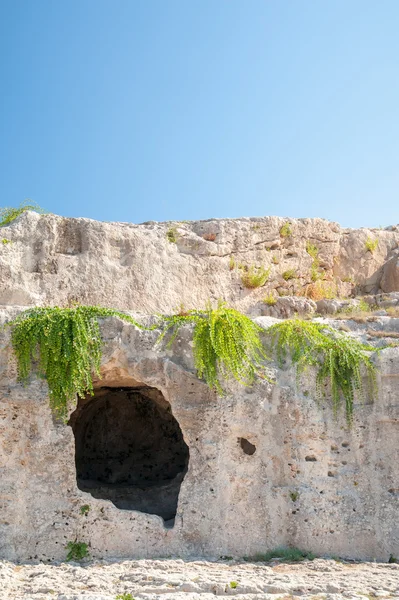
[(226, 344), (77, 550), (8, 214), (84, 510), (371, 245), (285, 230), (171, 235), (5, 241), (312, 249), (289, 274), (287, 554), (362, 306), (66, 344), (338, 358), (233, 585), (255, 277), (124, 596), (270, 299)]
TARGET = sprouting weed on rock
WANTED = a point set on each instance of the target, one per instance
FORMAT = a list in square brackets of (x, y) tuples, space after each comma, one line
[(255, 277), (371, 244), (289, 274), (285, 230), (77, 550), (9, 214)]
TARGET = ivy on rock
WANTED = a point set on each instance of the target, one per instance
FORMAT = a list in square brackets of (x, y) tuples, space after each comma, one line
[(226, 344), (66, 344), (339, 359)]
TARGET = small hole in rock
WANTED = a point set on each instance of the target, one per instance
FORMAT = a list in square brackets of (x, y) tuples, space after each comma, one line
[(247, 447)]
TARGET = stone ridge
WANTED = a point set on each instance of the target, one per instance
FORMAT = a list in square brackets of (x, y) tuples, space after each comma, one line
[(157, 267)]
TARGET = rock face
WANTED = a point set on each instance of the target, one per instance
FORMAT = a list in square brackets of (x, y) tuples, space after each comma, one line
[(155, 464), (390, 276), (265, 466), (156, 267)]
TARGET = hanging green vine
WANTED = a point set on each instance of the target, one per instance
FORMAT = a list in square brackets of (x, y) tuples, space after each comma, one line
[(66, 344), (339, 358), (226, 343)]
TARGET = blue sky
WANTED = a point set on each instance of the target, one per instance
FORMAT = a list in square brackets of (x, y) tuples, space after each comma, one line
[(136, 110)]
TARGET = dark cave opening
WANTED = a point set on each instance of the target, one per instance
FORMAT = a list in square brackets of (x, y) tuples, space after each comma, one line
[(129, 449)]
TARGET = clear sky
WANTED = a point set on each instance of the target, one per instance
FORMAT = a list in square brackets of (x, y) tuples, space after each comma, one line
[(137, 110)]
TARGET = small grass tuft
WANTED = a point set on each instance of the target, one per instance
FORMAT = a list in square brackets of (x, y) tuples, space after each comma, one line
[(84, 510), (312, 250), (294, 496), (5, 241), (172, 235), (320, 290), (124, 596), (285, 230), (289, 274), (232, 263), (233, 585), (371, 244), (315, 274), (270, 299), (354, 310), (275, 260), (255, 277)]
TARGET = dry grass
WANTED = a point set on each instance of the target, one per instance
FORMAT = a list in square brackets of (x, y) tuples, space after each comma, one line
[(383, 334), (358, 317), (320, 290), (393, 311), (255, 277)]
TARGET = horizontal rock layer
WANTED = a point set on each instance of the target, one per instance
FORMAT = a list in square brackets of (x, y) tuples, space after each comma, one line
[(157, 267)]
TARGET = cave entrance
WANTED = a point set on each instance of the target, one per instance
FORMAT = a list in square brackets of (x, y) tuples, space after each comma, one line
[(129, 449)]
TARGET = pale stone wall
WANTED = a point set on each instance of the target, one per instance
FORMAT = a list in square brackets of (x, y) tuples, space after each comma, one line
[(53, 260), (311, 482)]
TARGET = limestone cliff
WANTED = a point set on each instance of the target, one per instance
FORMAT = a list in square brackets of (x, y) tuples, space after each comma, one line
[(156, 267), (159, 463)]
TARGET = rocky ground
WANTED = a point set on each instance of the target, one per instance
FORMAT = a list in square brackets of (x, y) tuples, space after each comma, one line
[(199, 580)]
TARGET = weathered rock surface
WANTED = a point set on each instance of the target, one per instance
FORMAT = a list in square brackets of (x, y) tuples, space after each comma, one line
[(288, 306), (55, 260), (311, 482), (390, 276), (200, 580), (265, 466)]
